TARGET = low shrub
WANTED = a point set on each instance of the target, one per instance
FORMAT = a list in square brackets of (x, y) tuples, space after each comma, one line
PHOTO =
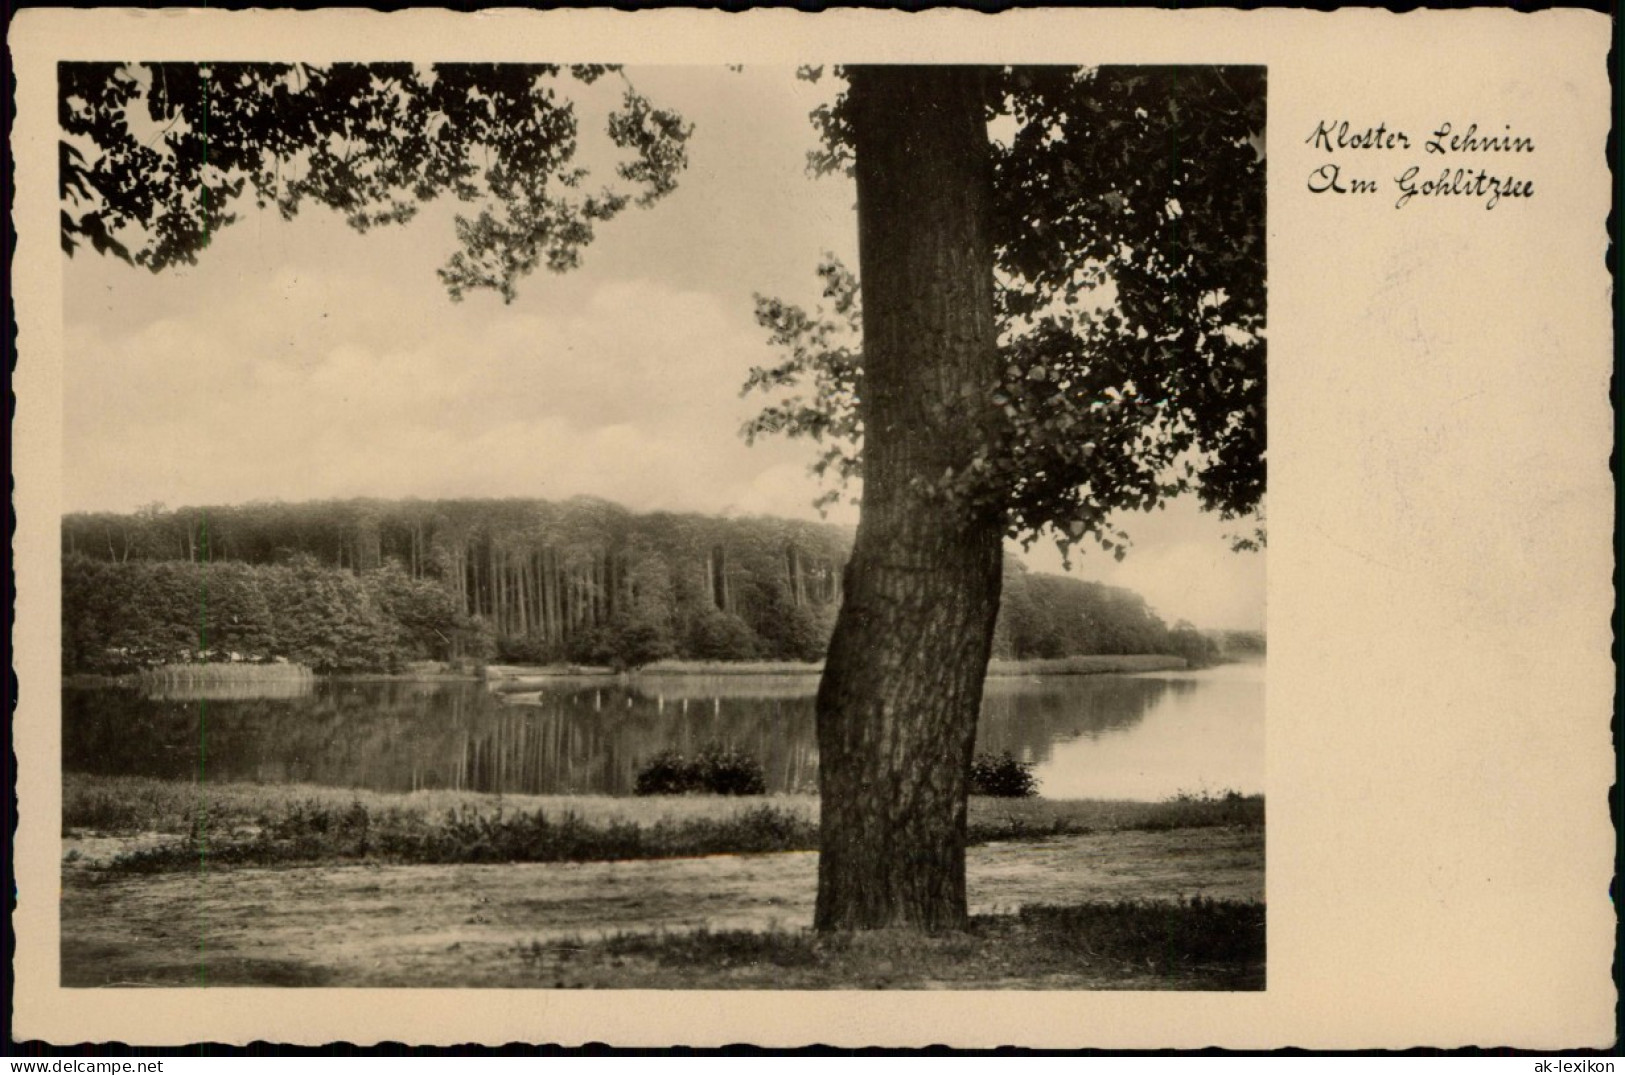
[(667, 773), (729, 772), (713, 771), (1002, 776)]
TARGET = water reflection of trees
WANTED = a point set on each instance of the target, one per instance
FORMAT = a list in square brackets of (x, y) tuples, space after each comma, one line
[(344, 734), (401, 736), (1028, 715), (578, 737), (596, 739)]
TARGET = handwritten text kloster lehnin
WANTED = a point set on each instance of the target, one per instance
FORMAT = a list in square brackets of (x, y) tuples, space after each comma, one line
[(1457, 162)]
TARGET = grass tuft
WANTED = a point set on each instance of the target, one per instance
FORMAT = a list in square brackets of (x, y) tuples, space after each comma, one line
[(1194, 931), (1193, 944), (1205, 809)]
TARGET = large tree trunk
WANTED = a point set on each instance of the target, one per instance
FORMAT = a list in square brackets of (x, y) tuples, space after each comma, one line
[(902, 686)]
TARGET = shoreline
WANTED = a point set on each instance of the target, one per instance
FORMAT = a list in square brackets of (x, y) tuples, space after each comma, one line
[(1081, 665)]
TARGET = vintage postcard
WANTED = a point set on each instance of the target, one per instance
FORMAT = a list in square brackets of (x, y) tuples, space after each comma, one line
[(1065, 529)]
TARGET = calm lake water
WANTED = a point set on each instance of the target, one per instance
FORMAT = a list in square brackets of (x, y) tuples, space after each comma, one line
[(1145, 736)]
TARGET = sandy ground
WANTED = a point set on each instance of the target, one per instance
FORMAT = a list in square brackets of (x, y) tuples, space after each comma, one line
[(373, 925)]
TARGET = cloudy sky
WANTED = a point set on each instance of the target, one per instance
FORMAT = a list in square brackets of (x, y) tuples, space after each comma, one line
[(301, 360)]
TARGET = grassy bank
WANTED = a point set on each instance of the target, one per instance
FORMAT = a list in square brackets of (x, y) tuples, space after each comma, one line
[(311, 834), (251, 824), (1189, 944)]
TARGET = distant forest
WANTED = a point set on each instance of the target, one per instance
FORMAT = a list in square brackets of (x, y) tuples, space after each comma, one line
[(370, 585)]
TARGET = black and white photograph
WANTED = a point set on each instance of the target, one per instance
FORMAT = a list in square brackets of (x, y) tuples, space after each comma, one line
[(1037, 529), (686, 527)]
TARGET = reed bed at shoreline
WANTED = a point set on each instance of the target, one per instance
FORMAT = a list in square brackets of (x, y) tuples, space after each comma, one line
[(222, 672), (214, 681)]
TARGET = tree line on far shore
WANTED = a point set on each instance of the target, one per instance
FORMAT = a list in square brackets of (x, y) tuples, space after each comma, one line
[(369, 585)]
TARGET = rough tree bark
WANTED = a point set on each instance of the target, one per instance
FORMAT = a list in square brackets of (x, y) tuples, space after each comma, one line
[(902, 685)]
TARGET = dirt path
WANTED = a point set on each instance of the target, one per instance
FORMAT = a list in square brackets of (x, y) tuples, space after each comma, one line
[(372, 925)]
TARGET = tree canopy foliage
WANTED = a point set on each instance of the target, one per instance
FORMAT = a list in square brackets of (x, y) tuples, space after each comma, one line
[(157, 155), (1130, 269)]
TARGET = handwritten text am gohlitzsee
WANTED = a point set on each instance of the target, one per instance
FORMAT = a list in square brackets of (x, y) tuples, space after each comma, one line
[(1457, 162)]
